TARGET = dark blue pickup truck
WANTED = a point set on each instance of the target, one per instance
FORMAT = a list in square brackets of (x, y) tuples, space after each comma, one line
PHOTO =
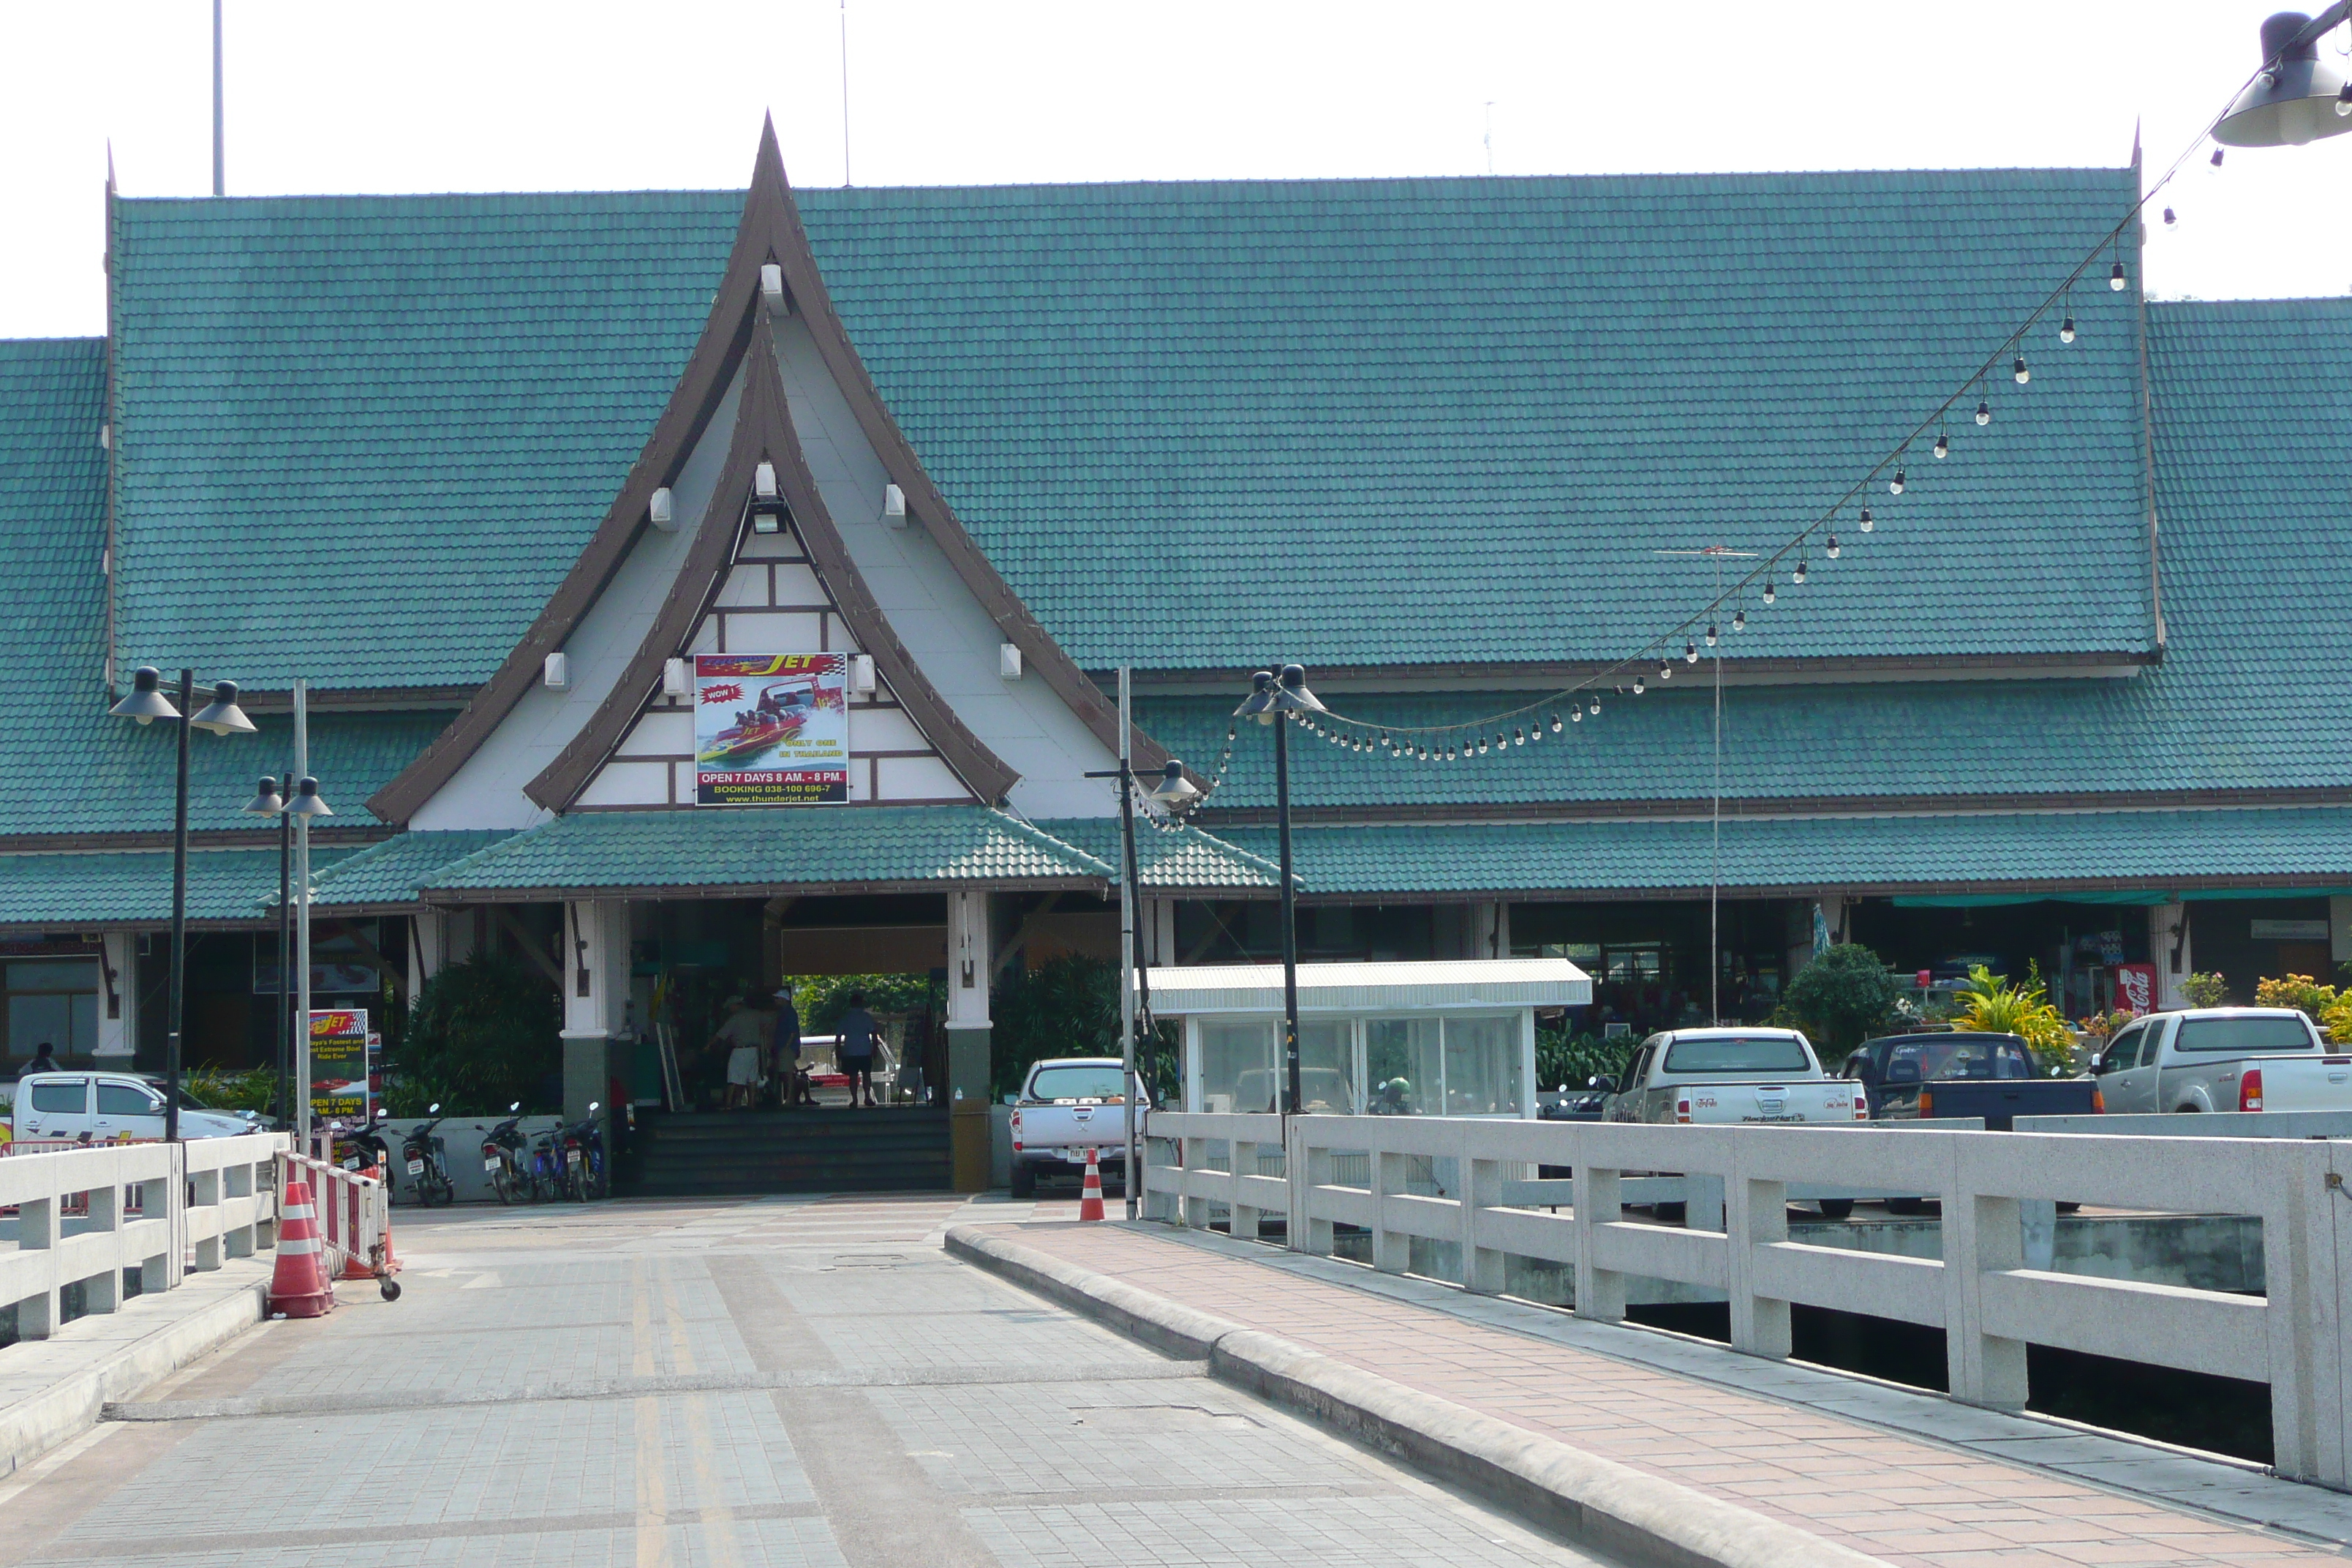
[(1955, 1073)]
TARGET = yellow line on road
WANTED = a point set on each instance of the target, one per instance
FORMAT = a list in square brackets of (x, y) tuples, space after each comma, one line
[(718, 1519), (653, 1502)]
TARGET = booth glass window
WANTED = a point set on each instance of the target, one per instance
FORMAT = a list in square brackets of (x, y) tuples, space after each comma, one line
[(1237, 1061), (53, 1000), (1482, 1067), (1403, 1061), (1326, 1068)]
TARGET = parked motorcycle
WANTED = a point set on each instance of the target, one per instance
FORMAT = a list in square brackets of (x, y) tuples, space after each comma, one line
[(546, 1165), (586, 1178), (504, 1158), (426, 1155), (362, 1148)]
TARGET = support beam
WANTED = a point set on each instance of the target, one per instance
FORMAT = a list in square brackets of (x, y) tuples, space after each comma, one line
[(970, 1125), (118, 1001), (513, 926), (1020, 937)]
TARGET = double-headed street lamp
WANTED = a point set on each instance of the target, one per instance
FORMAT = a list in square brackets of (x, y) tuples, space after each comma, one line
[(306, 805), (221, 716), (1274, 700)]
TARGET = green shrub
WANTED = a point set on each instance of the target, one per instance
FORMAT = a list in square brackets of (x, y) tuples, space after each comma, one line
[(232, 1089), (482, 1034), (2206, 990), (1562, 1057), (1840, 999)]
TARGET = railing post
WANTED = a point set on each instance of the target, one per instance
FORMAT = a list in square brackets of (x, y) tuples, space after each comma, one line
[(1193, 1209), (238, 1183), (1311, 1167), (2303, 1234), (1244, 1162), (36, 1230), (1479, 1184), (1297, 1171), (161, 1197), (1600, 1293), (102, 1292), (205, 1193), (1392, 1250), (1756, 1214), (1981, 1235)]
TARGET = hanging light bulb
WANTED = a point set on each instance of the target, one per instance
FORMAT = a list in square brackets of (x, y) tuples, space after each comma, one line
[(1640, 686), (1798, 577), (1710, 634), (2171, 218), (1770, 593), (2116, 277), (2066, 329), (1666, 670), (1984, 411), (1518, 737), (1833, 551), (1943, 446), (2341, 97), (1690, 653), (1894, 485), (1482, 745), (1868, 523), (1555, 724), (1576, 715), (2018, 373), (2343, 105), (1596, 705), (1739, 619), (1500, 744), (1449, 754)]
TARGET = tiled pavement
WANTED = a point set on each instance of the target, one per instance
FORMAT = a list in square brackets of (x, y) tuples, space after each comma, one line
[(767, 1383), (1908, 1500)]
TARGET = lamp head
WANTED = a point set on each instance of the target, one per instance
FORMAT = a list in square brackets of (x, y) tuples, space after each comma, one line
[(1259, 703), (2295, 99), (146, 702), (266, 801), (1174, 791), (1291, 695), (306, 800), (222, 716)]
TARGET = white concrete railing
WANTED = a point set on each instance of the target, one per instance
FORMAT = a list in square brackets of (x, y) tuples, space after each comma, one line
[(154, 1207), (1991, 1305)]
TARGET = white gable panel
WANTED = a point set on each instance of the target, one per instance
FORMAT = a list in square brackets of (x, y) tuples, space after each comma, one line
[(950, 636), (917, 778), (663, 732), (777, 631), (488, 791), (745, 585), (629, 784), (796, 584), (884, 730)]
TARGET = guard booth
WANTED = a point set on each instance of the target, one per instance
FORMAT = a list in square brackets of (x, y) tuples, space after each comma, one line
[(1406, 1039)]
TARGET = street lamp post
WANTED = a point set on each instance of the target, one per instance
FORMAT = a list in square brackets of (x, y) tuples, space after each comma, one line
[(1175, 793), (1271, 700), (221, 716), (267, 802)]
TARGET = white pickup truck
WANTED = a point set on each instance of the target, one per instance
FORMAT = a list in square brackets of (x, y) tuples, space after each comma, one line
[(1066, 1107), (109, 1107), (1713, 1076), (2224, 1058)]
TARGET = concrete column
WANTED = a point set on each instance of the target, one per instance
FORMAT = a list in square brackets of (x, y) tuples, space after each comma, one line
[(117, 997), (37, 1228), (1158, 927), (2167, 928), (1490, 930), (969, 952), (596, 946)]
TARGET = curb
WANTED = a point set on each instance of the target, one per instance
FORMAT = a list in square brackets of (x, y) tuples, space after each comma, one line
[(39, 1422), (1591, 1500)]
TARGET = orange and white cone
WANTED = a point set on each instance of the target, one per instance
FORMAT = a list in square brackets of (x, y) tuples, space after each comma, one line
[(298, 1287), (1090, 1199)]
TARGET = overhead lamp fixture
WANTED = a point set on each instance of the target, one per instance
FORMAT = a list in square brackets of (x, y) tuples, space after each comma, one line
[(146, 702), (767, 510), (222, 716), (1174, 791), (266, 801), (306, 800), (2300, 95)]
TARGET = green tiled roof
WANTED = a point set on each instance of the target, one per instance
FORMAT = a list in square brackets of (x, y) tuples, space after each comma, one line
[(782, 847), (1184, 420), (64, 765), (392, 872), (1164, 858), (2253, 450), (65, 891), (2313, 844)]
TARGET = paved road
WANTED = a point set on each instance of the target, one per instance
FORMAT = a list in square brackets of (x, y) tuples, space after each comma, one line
[(774, 1382)]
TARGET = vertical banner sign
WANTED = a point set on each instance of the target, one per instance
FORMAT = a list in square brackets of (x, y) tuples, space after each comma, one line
[(339, 1063), (771, 729), (2135, 988)]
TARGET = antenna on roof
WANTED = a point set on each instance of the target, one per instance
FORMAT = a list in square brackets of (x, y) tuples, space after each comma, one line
[(846, 180), (220, 141)]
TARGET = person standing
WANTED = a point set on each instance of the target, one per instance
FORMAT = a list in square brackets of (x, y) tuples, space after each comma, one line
[(45, 1058), (857, 1050), (792, 1084), (740, 1034)]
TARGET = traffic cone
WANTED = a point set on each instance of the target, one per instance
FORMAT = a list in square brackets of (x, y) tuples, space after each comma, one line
[(1090, 1200), (298, 1287)]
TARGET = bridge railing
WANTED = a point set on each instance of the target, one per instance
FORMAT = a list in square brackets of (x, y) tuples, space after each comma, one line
[(1465, 1184), (87, 1216)]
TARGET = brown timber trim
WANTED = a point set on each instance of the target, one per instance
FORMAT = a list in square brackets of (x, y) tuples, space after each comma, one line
[(212, 839), (1766, 808), (771, 230), (444, 898), (763, 430)]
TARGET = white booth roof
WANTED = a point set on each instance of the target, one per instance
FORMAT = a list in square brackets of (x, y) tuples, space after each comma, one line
[(1363, 988)]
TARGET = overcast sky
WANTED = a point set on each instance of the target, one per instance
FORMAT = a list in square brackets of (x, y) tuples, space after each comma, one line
[(508, 95)]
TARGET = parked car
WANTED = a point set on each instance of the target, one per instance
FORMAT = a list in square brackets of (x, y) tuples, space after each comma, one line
[(1066, 1107), (2224, 1058), (1958, 1073), (107, 1107), (1732, 1076)]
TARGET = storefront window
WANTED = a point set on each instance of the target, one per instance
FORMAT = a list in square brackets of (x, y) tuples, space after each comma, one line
[(53, 1001), (1237, 1065), (1482, 1067), (1403, 1061), (1327, 1068)]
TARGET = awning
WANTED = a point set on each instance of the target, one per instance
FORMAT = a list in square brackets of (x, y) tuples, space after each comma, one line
[(133, 886), (719, 852), (1360, 988)]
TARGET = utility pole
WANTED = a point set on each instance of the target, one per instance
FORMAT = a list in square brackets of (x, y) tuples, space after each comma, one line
[(220, 138)]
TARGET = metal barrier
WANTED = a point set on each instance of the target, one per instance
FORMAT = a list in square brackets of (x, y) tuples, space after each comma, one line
[(1463, 1183), (89, 1215), (354, 1216)]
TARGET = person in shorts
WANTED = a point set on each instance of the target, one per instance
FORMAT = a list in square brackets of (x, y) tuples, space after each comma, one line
[(784, 1055), (741, 1034), (857, 1051)]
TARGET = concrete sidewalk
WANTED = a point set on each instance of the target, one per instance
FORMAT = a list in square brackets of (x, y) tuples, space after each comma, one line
[(1900, 1496)]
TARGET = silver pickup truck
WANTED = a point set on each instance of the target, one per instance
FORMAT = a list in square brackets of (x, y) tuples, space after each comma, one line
[(2224, 1058), (1713, 1077), (1066, 1107)]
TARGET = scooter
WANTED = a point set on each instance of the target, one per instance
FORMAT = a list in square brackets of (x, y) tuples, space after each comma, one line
[(502, 1157), (426, 1156), (586, 1177), (361, 1148)]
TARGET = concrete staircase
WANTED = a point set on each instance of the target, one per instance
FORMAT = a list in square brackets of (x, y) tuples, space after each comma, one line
[(712, 1153)]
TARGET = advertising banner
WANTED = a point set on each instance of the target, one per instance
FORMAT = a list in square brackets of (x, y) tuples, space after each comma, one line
[(339, 1063), (771, 729), (2135, 988)]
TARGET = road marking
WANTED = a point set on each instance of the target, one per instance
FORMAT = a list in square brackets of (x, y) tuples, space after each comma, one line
[(718, 1519), (653, 1503)]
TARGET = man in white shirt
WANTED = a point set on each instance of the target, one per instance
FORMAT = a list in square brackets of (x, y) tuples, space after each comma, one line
[(743, 1035)]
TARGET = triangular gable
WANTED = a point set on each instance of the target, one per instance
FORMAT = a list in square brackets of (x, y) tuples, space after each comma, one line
[(726, 552), (770, 232)]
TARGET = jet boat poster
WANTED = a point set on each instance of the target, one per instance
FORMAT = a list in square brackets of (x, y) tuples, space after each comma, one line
[(771, 729)]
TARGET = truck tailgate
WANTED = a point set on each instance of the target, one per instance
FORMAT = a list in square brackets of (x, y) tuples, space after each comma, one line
[(2304, 1083), (2000, 1102), (1834, 1101)]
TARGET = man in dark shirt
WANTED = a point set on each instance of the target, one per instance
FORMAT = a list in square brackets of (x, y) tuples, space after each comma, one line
[(792, 1084), (856, 1053)]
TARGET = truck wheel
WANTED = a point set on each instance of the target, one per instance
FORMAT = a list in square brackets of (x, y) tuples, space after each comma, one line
[(1836, 1208), (1024, 1181)]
